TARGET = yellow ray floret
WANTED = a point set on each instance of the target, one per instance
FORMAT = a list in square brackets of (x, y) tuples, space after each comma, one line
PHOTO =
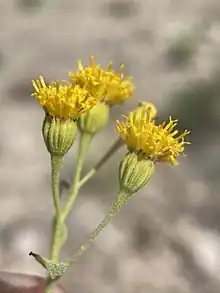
[(106, 85), (62, 100), (156, 142)]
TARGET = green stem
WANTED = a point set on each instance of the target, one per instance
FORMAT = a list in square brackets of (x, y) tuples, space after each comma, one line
[(117, 144), (122, 198), (59, 237), (56, 164), (85, 140), (48, 285)]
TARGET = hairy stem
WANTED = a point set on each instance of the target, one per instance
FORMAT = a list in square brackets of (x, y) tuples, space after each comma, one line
[(115, 208), (56, 164)]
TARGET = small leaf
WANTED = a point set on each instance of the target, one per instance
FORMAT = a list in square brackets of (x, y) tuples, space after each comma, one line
[(55, 271)]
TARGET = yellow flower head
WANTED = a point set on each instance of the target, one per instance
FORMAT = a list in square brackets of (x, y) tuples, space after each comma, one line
[(106, 85), (156, 142), (62, 101)]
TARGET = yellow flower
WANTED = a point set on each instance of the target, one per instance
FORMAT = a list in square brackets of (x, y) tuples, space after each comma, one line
[(106, 85), (156, 142), (63, 101)]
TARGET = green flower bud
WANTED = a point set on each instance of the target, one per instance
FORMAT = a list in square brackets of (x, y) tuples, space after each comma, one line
[(59, 135), (134, 173), (94, 120), (147, 106)]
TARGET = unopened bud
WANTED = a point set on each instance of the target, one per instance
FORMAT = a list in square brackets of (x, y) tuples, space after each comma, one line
[(95, 119), (134, 172)]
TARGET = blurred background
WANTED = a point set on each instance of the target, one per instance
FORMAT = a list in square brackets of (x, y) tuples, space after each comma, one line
[(167, 239)]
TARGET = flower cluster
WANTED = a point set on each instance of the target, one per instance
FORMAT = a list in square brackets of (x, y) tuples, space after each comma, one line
[(85, 98), (86, 87), (91, 86)]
